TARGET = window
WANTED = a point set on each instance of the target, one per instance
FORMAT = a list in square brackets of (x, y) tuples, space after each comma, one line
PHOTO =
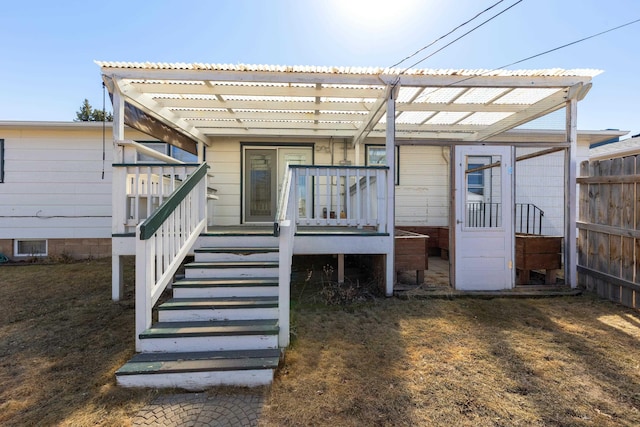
[(30, 247), (167, 150), (476, 178), (1, 160), (377, 155)]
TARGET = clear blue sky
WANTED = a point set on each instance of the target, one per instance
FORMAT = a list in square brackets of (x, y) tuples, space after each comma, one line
[(48, 47)]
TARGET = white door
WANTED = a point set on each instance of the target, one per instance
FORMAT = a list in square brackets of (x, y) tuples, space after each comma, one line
[(484, 238)]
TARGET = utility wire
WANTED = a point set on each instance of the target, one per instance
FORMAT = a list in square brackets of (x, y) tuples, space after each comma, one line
[(549, 51), (445, 35), (463, 35)]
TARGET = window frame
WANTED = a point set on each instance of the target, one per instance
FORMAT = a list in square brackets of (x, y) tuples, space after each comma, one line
[(367, 161), (16, 245), (479, 161)]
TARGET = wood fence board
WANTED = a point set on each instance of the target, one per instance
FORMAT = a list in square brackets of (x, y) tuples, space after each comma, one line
[(627, 259), (626, 297), (615, 195), (605, 189), (615, 255), (628, 194)]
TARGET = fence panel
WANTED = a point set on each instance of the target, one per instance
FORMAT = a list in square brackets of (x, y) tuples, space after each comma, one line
[(609, 229)]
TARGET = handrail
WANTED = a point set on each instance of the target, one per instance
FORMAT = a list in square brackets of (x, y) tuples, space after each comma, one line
[(142, 149), (281, 211), (151, 224), (163, 241), (529, 228)]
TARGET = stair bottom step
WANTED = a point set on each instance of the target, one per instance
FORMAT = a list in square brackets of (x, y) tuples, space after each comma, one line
[(198, 381), (199, 370)]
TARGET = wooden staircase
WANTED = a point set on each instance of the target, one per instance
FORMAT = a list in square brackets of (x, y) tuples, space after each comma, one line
[(221, 326)]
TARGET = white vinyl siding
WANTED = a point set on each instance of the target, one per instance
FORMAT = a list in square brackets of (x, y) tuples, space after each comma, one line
[(422, 198), (53, 186), (540, 181)]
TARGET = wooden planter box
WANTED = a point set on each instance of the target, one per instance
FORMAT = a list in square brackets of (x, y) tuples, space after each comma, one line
[(535, 252), (411, 253)]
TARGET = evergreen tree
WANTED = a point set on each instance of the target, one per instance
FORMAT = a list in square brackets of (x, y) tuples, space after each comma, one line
[(87, 113)]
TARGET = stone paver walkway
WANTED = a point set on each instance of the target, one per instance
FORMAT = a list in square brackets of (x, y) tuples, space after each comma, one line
[(202, 409)]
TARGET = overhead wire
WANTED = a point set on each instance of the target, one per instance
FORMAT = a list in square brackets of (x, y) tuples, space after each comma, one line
[(548, 51), (462, 36), (446, 35)]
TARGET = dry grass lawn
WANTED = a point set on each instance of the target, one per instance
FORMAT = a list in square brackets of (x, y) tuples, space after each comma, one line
[(548, 362), (61, 340)]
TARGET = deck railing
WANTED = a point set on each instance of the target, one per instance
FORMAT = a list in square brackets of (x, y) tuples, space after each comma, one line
[(164, 239), (285, 230), (353, 196), (146, 187)]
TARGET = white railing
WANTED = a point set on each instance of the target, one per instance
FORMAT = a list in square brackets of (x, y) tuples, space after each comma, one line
[(146, 186), (285, 229), (354, 196), (164, 239)]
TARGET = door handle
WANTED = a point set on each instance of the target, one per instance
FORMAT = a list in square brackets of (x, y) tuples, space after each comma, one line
[(458, 221)]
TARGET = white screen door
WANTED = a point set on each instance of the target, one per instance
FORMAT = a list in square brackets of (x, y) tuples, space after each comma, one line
[(484, 239)]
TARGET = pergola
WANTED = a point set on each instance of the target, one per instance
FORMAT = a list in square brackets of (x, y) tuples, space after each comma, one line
[(190, 105)]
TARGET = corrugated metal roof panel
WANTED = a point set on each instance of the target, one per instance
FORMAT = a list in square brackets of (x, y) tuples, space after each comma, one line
[(345, 70)]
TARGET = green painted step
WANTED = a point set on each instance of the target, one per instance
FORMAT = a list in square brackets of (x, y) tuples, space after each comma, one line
[(205, 361), (211, 328), (225, 282), (219, 303), (236, 250), (233, 264)]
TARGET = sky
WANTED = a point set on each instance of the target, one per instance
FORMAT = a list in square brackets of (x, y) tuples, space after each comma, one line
[(48, 47)]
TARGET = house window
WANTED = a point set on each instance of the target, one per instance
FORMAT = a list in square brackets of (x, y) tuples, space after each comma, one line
[(30, 247), (167, 150), (377, 155), (1, 160)]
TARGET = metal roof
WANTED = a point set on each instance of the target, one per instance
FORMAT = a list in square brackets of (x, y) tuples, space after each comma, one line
[(205, 101)]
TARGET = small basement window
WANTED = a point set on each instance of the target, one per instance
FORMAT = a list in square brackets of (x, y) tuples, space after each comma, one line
[(30, 247)]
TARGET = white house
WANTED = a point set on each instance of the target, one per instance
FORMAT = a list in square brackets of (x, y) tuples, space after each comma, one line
[(318, 160), (55, 182)]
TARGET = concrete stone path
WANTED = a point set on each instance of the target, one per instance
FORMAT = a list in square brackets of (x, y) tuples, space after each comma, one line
[(202, 409)]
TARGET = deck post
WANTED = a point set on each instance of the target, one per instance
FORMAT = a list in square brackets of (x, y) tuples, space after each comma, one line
[(570, 249), (340, 268), (391, 187), (118, 195)]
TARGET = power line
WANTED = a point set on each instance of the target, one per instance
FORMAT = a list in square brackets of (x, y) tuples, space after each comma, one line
[(570, 44), (446, 35), (463, 35), (549, 51)]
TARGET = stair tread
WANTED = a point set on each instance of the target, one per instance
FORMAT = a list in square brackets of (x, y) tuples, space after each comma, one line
[(222, 282), (211, 328), (163, 363), (232, 264), (225, 302), (236, 250)]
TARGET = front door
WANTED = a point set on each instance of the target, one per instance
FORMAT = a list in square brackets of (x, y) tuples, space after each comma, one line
[(484, 238), (264, 170)]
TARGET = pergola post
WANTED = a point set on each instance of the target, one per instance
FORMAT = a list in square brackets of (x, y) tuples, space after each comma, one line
[(391, 187), (117, 207), (570, 268)]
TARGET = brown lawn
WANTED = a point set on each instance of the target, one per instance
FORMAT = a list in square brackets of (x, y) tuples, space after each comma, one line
[(559, 361)]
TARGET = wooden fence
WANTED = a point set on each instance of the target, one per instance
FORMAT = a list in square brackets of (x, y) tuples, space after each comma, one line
[(609, 229)]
